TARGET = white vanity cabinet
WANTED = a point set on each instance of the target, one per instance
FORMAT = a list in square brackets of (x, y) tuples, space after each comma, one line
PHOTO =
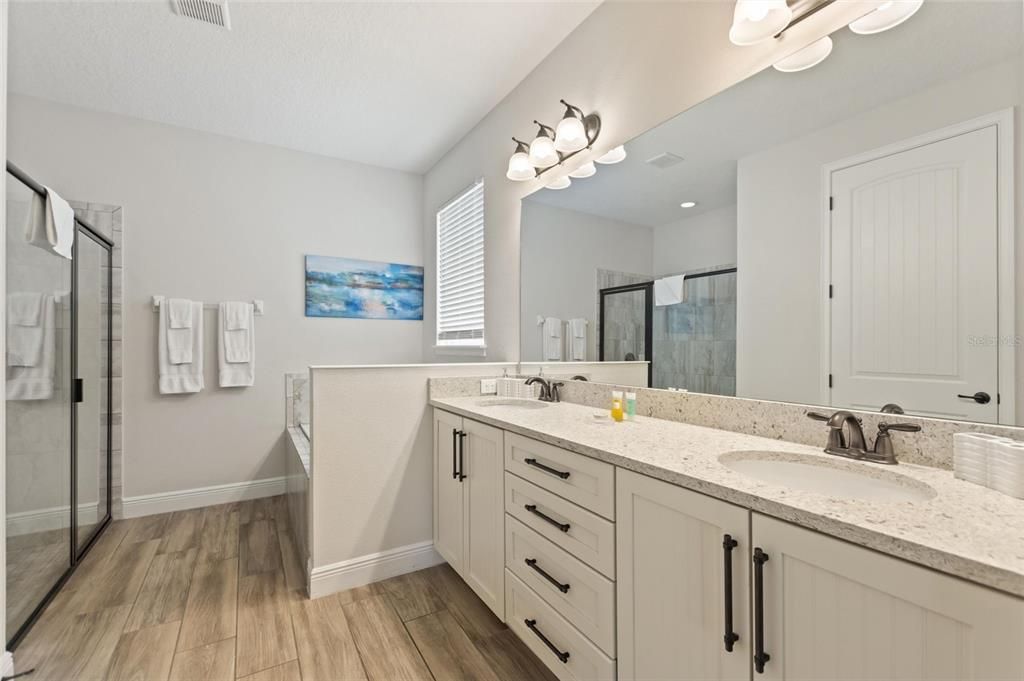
[(683, 572), (469, 522), (833, 610)]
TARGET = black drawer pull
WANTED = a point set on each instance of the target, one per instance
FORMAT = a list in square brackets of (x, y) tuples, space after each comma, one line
[(760, 656), (532, 624), (455, 446), (532, 562), (532, 508), (462, 446), (728, 544), (564, 475)]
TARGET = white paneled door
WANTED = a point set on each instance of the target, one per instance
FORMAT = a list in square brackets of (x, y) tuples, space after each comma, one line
[(914, 316)]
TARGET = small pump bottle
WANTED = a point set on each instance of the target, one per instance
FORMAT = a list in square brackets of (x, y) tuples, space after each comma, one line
[(617, 411), (630, 406)]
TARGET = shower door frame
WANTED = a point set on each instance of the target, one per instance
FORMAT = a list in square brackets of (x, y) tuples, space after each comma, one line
[(648, 289), (75, 554)]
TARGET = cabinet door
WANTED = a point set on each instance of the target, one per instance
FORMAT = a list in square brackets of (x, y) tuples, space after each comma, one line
[(448, 489), (673, 585), (483, 517), (833, 610)]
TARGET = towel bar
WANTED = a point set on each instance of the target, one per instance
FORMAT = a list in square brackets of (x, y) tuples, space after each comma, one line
[(257, 305)]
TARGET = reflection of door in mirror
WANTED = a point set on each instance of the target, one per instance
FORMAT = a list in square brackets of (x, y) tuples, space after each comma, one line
[(914, 261)]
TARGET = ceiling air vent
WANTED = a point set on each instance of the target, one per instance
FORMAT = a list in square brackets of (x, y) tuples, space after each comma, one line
[(665, 160), (207, 11)]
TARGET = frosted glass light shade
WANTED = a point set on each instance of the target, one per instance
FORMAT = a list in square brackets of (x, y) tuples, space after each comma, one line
[(559, 183), (889, 15), (542, 152), (570, 135), (757, 20), (519, 167), (614, 156), (585, 170), (812, 55)]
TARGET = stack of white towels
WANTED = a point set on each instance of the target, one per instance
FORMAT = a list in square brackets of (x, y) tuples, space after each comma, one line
[(31, 346), (180, 345), (551, 339), (990, 460)]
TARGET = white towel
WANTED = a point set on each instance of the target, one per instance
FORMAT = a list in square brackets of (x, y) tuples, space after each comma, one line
[(24, 332), (187, 377), (177, 326), (51, 223), (552, 332), (236, 348), (669, 290), (35, 382), (578, 335)]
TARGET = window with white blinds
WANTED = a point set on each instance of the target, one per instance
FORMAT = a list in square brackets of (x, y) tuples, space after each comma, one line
[(460, 270)]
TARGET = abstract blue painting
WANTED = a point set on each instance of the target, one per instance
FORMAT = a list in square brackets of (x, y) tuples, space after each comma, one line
[(342, 287)]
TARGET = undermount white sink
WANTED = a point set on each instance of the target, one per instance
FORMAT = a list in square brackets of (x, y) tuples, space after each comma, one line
[(512, 402), (838, 479)]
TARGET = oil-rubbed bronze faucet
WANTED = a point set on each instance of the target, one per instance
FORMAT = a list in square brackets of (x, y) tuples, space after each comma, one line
[(853, 446), (548, 389)]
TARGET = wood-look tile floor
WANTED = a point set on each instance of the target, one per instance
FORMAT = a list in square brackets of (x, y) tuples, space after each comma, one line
[(216, 593)]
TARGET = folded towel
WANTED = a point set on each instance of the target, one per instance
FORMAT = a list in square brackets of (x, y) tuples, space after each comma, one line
[(578, 334), (552, 332), (236, 348), (181, 377), (51, 223), (35, 381), (238, 316), (669, 290), (180, 312), (25, 336)]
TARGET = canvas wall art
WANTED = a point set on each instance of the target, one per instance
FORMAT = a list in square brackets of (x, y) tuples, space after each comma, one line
[(342, 287)]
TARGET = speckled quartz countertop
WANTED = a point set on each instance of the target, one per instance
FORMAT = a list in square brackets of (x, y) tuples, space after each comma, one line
[(964, 529)]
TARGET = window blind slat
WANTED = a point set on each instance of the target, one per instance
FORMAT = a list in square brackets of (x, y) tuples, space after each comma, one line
[(460, 269)]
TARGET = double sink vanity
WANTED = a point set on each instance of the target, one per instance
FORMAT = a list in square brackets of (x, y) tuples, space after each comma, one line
[(654, 549)]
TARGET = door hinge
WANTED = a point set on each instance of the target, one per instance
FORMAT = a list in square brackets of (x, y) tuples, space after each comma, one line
[(830, 380), (831, 202)]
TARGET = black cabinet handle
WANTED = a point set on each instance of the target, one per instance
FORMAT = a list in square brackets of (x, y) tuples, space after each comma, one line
[(455, 465), (532, 562), (547, 469), (462, 447), (728, 544), (532, 624), (532, 508), (760, 656), (79, 391), (979, 397)]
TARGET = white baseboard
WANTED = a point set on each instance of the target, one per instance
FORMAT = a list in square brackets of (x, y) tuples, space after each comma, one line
[(45, 519), (7, 664), (181, 500), (374, 567)]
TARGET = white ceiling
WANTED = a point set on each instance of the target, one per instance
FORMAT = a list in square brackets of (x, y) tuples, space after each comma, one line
[(942, 41), (393, 84)]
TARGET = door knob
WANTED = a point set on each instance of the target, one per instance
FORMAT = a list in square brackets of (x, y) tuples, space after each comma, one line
[(979, 397)]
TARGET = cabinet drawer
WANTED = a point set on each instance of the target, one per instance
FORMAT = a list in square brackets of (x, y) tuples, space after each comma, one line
[(585, 535), (585, 662), (581, 595), (580, 479)]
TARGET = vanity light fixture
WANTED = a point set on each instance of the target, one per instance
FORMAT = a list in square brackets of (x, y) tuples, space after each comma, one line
[(889, 15), (559, 183), (612, 156), (812, 55), (576, 132), (687, 204), (588, 169), (757, 20)]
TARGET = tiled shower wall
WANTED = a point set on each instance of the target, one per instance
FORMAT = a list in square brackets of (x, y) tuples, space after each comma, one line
[(109, 221), (695, 340), (623, 317)]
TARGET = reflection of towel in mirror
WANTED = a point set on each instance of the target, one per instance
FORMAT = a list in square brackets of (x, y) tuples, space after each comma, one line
[(35, 381), (669, 290), (552, 333), (51, 223), (24, 331), (578, 336)]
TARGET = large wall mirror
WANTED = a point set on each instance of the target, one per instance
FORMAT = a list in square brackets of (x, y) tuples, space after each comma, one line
[(844, 235)]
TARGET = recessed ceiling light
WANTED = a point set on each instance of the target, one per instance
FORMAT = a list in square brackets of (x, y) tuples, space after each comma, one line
[(687, 204)]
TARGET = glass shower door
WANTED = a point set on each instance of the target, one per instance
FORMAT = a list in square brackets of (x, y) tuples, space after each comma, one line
[(38, 412), (625, 321), (92, 386)]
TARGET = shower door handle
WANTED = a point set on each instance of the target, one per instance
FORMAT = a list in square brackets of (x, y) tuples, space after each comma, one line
[(78, 391)]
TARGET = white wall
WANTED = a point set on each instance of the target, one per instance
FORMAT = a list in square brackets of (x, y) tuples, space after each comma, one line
[(638, 64), (705, 240), (561, 253), (6, 662), (212, 218), (779, 227)]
